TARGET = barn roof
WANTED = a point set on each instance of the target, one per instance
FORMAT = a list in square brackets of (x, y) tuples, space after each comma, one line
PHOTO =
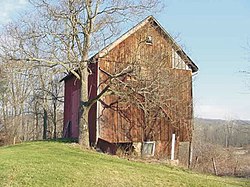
[(177, 48)]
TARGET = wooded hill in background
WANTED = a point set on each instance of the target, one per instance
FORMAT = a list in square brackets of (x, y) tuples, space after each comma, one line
[(227, 133), (221, 147)]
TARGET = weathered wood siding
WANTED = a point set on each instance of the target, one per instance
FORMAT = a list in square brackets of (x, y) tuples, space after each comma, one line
[(71, 107), (124, 126)]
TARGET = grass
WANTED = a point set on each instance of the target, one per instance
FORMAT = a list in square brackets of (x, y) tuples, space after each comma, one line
[(60, 164)]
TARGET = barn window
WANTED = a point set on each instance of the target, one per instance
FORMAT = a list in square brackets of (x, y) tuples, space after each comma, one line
[(149, 40), (148, 148), (178, 62)]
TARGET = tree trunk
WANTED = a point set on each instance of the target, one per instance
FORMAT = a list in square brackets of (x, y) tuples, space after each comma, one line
[(54, 119), (84, 111), (45, 125), (84, 128), (37, 130), (226, 142)]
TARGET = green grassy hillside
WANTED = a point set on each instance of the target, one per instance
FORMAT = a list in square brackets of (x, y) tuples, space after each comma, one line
[(59, 164)]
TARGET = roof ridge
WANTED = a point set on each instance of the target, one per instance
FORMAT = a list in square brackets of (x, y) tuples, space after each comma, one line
[(178, 49)]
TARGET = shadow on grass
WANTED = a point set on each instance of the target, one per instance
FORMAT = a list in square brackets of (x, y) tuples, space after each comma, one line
[(63, 140), (26, 143)]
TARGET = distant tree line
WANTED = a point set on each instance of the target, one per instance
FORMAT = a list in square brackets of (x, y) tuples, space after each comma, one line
[(234, 133), (30, 102), (221, 147)]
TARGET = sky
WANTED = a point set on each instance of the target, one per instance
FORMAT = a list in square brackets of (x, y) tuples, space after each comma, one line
[(9, 9), (215, 34)]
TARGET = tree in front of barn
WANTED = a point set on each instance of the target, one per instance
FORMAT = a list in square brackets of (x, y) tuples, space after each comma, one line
[(155, 99), (65, 33)]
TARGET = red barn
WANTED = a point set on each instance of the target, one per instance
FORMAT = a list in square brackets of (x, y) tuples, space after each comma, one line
[(108, 128)]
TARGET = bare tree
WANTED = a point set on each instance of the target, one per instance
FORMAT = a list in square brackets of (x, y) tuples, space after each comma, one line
[(154, 90), (153, 98), (65, 33), (29, 93)]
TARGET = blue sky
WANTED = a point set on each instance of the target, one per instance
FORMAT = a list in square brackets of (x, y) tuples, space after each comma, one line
[(9, 9), (214, 33)]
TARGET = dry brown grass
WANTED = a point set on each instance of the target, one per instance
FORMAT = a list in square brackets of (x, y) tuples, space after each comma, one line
[(228, 161)]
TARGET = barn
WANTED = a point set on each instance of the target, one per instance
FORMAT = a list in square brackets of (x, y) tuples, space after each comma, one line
[(115, 123)]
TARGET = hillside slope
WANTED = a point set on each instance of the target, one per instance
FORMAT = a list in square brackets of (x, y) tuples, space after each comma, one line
[(59, 164)]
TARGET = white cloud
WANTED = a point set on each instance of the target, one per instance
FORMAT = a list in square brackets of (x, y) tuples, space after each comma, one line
[(9, 8), (210, 111), (222, 112)]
